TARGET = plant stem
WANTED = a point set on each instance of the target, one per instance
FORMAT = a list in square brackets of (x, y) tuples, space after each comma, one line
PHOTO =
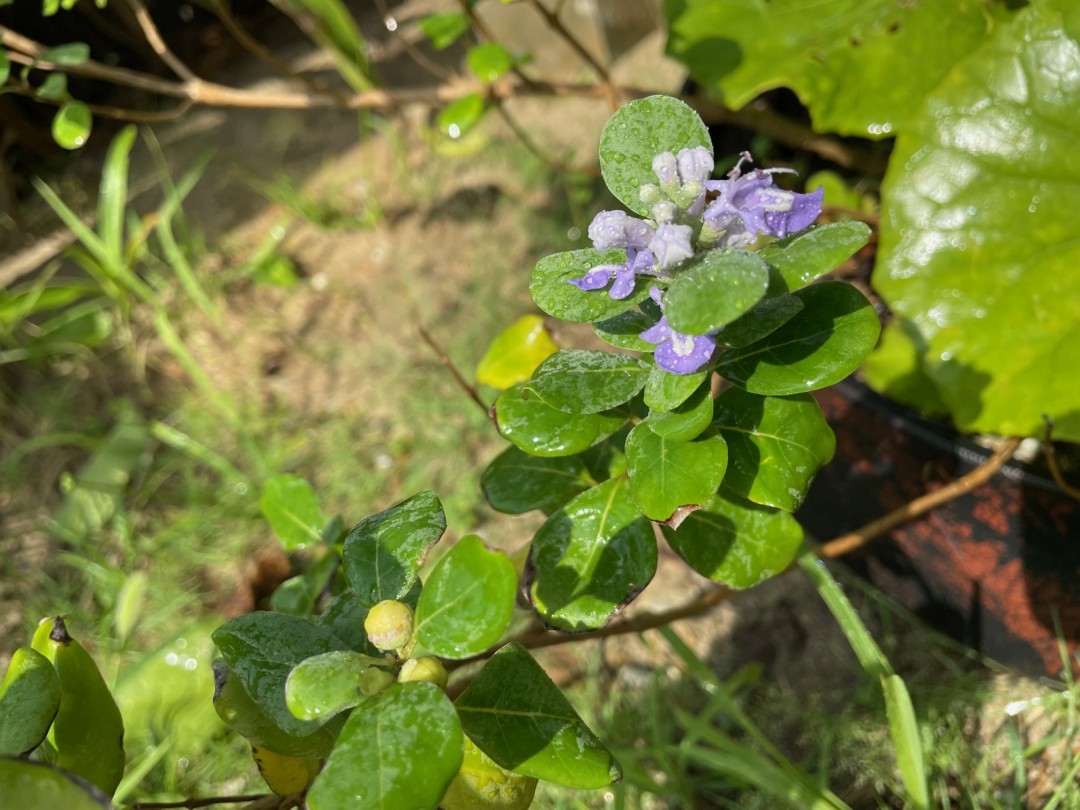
[(459, 378), (194, 803), (553, 21)]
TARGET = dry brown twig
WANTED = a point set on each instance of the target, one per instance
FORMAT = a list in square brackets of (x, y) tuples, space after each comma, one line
[(1052, 462)]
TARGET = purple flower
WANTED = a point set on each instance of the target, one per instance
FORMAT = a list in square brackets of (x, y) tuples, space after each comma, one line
[(637, 261), (676, 352), (617, 229), (752, 204), (671, 245)]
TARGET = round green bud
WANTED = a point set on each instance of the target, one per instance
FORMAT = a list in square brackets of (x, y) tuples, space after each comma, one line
[(389, 625), (374, 680), (424, 668)]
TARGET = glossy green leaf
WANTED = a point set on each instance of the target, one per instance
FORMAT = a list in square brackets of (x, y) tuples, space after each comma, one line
[(291, 507), (535, 427), (462, 115), (262, 648), (444, 29), (580, 381), (715, 289), (590, 558), (29, 699), (399, 751), (324, 685), (516, 482), (298, 595), (37, 786), (517, 716), (735, 542), (665, 391), (840, 56), (344, 617), (467, 600), (383, 553), (978, 249), (760, 322), (637, 133), (71, 54), (515, 353), (666, 474), (686, 421), (489, 61), (622, 331), (818, 347), (776, 445), (552, 291), (806, 256), (72, 124)]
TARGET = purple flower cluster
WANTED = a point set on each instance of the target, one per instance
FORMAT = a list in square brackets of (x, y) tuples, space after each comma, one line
[(687, 207)]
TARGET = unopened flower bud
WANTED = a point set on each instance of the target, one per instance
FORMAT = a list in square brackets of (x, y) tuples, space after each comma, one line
[(424, 668), (389, 625), (649, 194)]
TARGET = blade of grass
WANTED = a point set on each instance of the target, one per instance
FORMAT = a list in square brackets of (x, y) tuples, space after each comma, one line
[(112, 194)]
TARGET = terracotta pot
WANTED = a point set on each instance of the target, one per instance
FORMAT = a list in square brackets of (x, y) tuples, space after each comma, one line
[(990, 568)]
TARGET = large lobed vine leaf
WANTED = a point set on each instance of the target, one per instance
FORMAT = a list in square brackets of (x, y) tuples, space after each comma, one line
[(591, 557), (517, 716), (862, 67), (398, 751), (978, 245)]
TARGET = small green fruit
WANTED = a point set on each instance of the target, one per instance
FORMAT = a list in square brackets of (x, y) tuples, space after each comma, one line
[(482, 783), (424, 668), (389, 625)]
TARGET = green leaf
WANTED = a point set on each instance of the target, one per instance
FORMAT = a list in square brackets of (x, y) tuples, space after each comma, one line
[(535, 427), (291, 507), (904, 730), (665, 391), (344, 617), (897, 368), (130, 604), (71, 54), (489, 61), (581, 381), (686, 421), (736, 543), (715, 289), (839, 56), (53, 88), (552, 291), (444, 29), (666, 474), (467, 600), (978, 249), (515, 353), (517, 716), (637, 133), (384, 552), (72, 124), (29, 699), (262, 648), (818, 347), (806, 256), (622, 331), (298, 595), (760, 322), (37, 786), (398, 751), (462, 115), (325, 685), (776, 445), (112, 194), (590, 558), (5, 67), (516, 482)]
